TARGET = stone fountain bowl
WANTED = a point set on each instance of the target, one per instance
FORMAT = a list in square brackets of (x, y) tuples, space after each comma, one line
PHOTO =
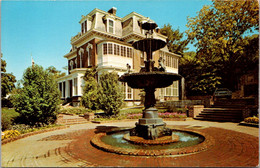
[(149, 44), (149, 79)]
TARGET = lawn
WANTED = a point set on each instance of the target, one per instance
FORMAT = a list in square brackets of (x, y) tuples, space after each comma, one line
[(7, 117)]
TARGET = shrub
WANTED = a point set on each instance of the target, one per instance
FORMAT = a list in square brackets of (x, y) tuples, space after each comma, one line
[(10, 134), (37, 101), (90, 97), (111, 97)]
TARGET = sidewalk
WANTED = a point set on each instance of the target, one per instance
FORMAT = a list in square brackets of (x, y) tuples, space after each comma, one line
[(57, 148)]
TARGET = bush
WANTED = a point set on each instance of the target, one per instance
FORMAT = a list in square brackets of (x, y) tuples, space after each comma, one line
[(90, 97), (10, 134), (111, 97), (37, 101)]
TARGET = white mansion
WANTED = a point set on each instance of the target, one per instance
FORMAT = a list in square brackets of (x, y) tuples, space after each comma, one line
[(106, 41)]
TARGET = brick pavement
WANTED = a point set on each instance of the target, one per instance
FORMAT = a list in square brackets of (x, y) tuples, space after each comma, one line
[(234, 146), (231, 149)]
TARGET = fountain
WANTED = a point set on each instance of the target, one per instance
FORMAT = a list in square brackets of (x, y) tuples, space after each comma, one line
[(150, 126), (150, 136)]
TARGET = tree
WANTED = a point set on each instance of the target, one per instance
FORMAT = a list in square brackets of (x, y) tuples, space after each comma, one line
[(38, 99), (90, 97), (175, 41), (55, 72), (7, 83), (111, 97), (200, 78), (218, 33)]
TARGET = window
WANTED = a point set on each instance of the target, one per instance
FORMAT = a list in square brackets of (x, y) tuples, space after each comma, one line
[(131, 53), (80, 60), (171, 90), (116, 49), (71, 64), (89, 57), (89, 50), (127, 92), (60, 88), (128, 52), (84, 27), (110, 49), (110, 26), (63, 89), (122, 51), (175, 88), (81, 51), (105, 48), (75, 86)]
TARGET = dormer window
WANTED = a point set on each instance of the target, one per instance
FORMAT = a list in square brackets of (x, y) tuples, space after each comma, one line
[(110, 26), (84, 27)]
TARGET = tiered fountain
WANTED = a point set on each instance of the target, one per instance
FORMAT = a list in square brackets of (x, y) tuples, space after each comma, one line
[(150, 126), (150, 137)]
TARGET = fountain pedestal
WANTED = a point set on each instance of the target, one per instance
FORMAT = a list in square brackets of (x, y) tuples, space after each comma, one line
[(150, 126)]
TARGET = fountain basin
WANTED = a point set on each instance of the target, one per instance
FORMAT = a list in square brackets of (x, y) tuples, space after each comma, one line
[(153, 79), (149, 44), (116, 143)]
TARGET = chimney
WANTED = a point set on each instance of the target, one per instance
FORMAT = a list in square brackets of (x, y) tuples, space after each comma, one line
[(112, 11)]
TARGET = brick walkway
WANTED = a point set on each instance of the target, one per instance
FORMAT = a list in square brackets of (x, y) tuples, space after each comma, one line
[(71, 148)]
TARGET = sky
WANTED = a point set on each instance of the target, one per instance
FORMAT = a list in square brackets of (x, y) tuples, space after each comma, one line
[(42, 29)]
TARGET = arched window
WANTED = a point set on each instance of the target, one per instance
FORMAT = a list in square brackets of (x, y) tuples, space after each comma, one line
[(81, 51), (71, 64), (89, 50)]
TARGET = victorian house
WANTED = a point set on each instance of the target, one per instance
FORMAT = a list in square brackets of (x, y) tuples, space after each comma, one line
[(105, 41)]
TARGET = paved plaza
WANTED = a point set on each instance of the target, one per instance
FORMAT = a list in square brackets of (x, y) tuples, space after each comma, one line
[(234, 146)]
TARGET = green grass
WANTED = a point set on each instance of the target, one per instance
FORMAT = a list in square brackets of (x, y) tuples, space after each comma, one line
[(139, 110), (10, 113), (7, 117)]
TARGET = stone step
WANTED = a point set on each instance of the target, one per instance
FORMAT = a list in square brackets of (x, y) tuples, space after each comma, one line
[(228, 106), (220, 114), (72, 121), (218, 119), (222, 109)]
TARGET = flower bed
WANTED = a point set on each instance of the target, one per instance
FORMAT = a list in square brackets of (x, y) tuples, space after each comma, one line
[(161, 115), (252, 120), (17, 135)]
